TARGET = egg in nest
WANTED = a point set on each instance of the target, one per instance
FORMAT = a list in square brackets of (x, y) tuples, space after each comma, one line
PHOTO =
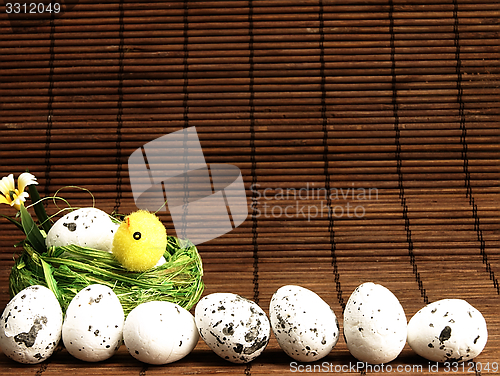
[(140, 241)]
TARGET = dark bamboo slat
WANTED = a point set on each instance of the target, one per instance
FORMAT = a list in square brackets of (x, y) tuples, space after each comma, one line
[(239, 128), (100, 140), (261, 36), (302, 30), (264, 139)]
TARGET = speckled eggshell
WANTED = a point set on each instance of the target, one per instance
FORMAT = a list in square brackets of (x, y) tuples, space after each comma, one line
[(304, 325), (86, 227), (234, 327), (448, 330), (160, 332), (374, 324), (93, 324), (30, 325)]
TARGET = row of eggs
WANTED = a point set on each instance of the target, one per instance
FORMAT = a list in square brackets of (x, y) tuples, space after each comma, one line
[(237, 329)]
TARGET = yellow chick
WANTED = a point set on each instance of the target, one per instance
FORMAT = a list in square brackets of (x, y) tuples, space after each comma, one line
[(140, 241)]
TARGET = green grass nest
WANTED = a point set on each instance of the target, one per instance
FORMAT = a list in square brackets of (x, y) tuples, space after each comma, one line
[(67, 270)]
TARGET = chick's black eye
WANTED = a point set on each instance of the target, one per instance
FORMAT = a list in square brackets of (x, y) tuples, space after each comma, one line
[(137, 235)]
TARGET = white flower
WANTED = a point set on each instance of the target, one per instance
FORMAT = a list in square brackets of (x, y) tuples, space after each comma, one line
[(15, 196)]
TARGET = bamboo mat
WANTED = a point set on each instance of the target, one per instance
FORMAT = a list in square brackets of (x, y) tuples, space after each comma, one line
[(392, 107)]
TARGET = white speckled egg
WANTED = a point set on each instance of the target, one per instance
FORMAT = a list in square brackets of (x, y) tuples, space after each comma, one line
[(448, 330), (304, 324), (86, 227), (234, 327), (160, 332), (30, 325), (93, 324), (374, 324)]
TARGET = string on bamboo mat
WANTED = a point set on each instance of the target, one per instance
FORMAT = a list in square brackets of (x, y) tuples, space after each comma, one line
[(185, 114), (331, 231), (119, 120), (255, 253), (465, 158), (461, 105), (185, 68), (252, 155), (401, 188), (50, 110)]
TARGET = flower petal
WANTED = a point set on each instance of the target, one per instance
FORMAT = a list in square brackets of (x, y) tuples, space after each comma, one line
[(4, 200), (17, 203), (19, 200), (24, 180), (7, 185), (23, 196)]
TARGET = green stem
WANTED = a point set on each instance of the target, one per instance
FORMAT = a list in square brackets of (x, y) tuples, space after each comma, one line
[(33, 234), (40, 212)]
